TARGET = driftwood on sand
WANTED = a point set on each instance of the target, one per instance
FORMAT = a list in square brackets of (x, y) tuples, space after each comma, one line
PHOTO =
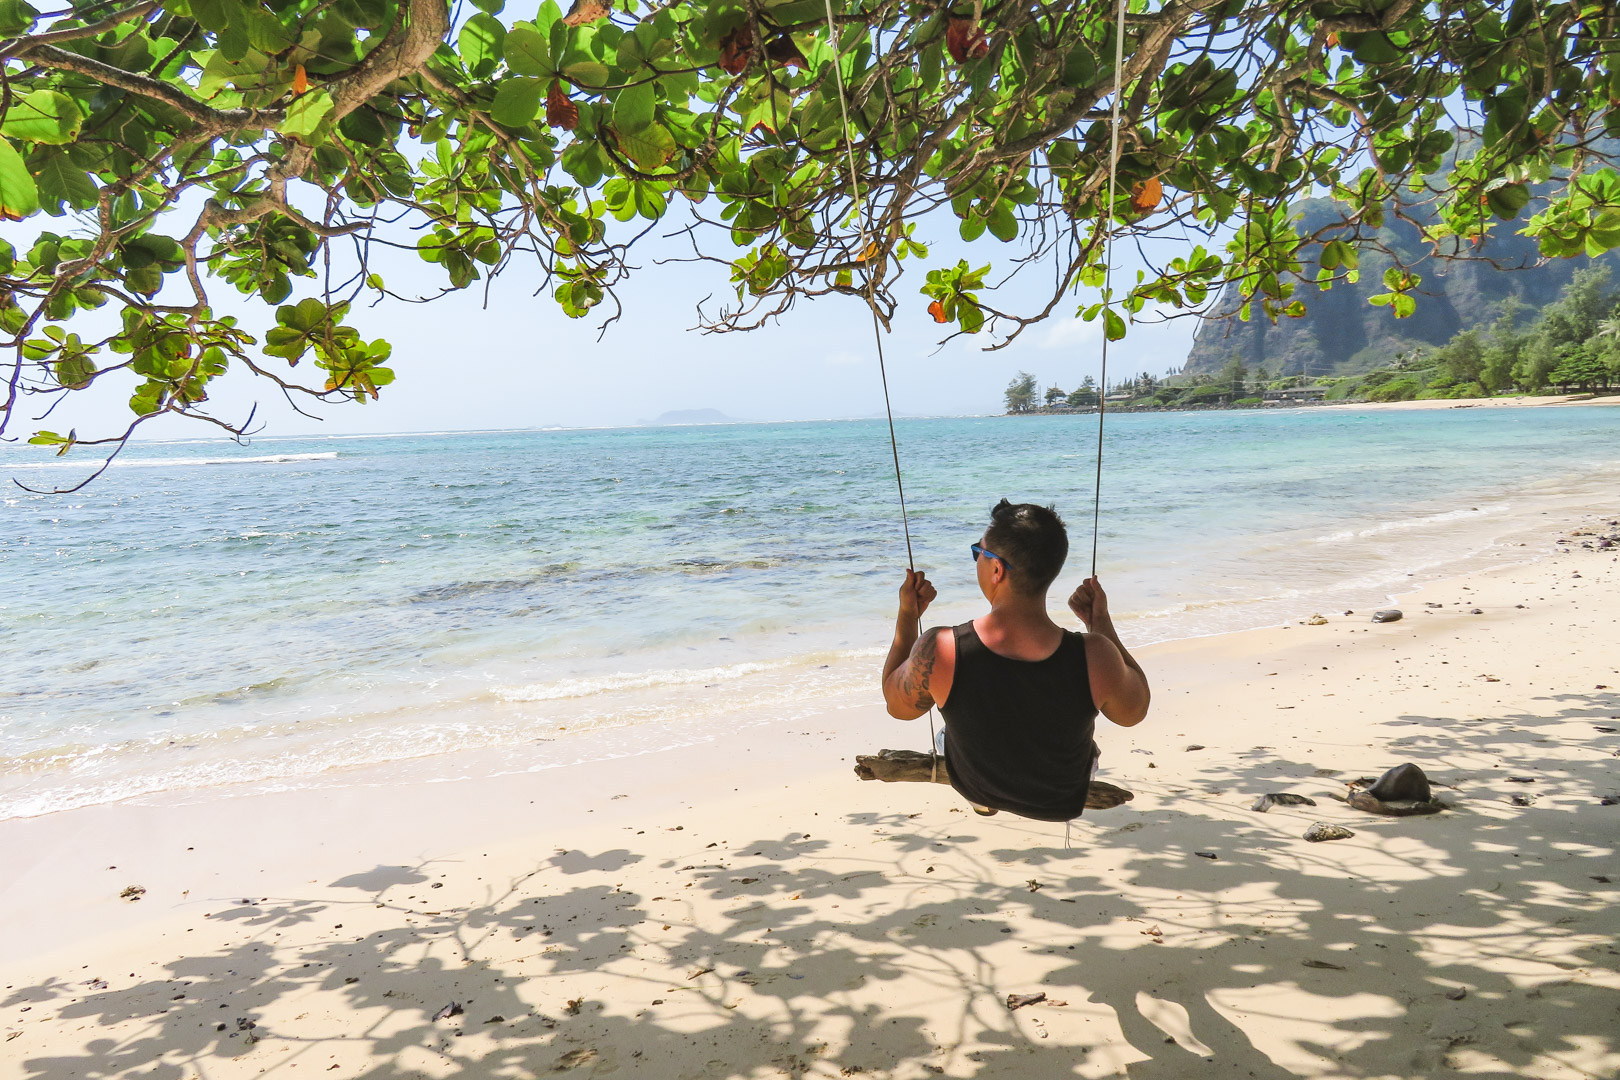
[(913, 766)]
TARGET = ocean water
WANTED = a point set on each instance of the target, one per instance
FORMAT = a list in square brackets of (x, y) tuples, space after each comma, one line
[(209, 614)]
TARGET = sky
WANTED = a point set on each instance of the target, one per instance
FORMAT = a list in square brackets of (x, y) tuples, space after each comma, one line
[(518, 362)]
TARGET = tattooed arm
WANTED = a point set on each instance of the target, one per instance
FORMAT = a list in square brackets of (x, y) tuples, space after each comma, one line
[(916, 674)]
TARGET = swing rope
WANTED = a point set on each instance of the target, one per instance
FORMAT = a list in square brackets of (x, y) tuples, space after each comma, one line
[(1108, 269), (869, 250)]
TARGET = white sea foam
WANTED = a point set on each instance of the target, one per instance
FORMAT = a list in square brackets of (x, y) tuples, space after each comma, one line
[(1411, 523), (564, 689), (154, 463)]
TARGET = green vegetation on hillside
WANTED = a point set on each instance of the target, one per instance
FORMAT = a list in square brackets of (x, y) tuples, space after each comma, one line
[(1344, 331), (1571, 344)]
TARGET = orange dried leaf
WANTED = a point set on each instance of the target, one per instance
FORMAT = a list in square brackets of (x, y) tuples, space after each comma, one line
[(965, 39), (300, 79), (736, 49), (1146, 195), (784, 52), (937, 310), (586, 11), (870, 251), (1333, 39), (560, 111)]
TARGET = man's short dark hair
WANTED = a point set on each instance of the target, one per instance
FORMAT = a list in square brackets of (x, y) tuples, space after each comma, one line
[(1031, 541)]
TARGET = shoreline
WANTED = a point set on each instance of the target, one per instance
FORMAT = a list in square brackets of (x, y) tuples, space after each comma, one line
[(1528, 401), (864, 927), (590, 745)]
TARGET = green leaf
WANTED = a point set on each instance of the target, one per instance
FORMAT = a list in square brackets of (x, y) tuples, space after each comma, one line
[(1079, 67), (305, 315), (16, 17), (587, 73), (1113, 325), (145, 280), (527, 52), (60, 181), (649, 148), (44, 116), (548, 14), (633, 108), (494, 7), (1003, 224), (305, 114), (19, 197), (517, 102), (265, 32), (1507, 200), (75, 371), (481, 39), (212, 15)]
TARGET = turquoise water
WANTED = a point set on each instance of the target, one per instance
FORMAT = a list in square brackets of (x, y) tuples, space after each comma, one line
[(208, 614)]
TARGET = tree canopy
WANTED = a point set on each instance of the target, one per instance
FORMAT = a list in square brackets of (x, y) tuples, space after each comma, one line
[(153, 153)]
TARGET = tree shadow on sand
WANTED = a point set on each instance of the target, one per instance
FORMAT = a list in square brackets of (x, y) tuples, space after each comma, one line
[(1479, 940)]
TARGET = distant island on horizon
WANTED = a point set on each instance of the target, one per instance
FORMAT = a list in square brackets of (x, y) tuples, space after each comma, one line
[(692, 416)]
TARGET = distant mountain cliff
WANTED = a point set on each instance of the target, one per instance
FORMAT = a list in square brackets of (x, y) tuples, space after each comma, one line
[(1342, 334)]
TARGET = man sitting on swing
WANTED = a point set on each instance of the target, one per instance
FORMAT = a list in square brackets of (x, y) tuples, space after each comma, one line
[(1019, 694)]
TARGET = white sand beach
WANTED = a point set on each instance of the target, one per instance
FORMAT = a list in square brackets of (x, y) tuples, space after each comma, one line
[(752, 910), (1502, 401)]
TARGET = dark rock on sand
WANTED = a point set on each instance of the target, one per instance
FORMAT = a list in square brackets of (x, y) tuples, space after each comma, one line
[(1402, 782), (1387, 615), (1400, 792), (452, 1009), (1323, 831), (1280, 798)]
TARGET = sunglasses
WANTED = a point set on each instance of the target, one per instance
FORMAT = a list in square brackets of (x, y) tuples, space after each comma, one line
[(980, 551)]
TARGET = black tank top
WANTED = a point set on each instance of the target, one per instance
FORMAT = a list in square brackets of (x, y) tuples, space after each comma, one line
[(1018, 733)]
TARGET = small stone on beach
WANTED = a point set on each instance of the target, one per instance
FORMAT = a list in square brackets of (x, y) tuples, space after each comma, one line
[(1456, 993), (1321, 831), (1387, 615), (1282, 798)]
